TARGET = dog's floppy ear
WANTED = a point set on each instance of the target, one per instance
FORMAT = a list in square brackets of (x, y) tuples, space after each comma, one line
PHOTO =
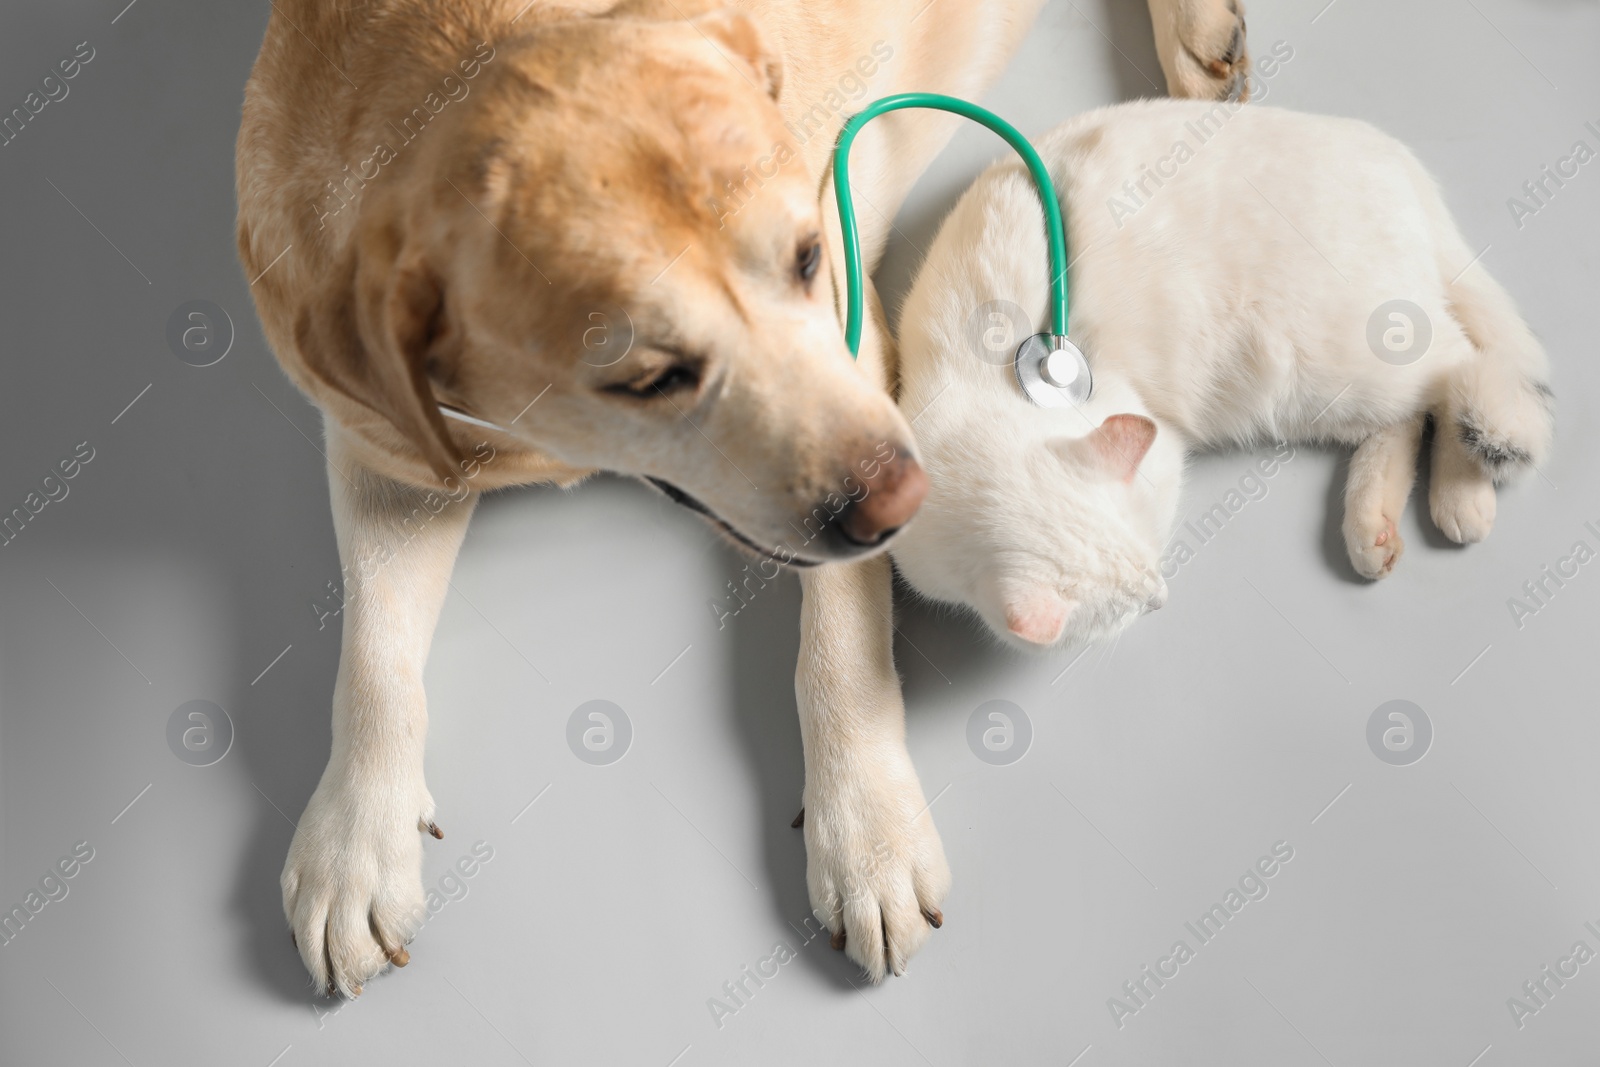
[(366, 336)]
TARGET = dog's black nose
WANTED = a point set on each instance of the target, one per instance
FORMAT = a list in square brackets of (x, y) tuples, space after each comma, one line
[(893, 494)]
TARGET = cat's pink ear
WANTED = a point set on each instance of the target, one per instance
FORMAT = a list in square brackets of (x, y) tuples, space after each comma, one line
[(1115, 448)]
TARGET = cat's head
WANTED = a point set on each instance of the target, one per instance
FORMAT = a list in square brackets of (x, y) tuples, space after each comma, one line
[(1051, 527)]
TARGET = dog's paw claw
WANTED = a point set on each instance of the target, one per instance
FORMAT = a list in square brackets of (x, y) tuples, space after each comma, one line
[(1211, 57), (1223, 66), (876, 871), (352, 889)]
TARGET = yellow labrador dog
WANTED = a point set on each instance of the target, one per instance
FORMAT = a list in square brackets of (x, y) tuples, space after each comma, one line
[(512, 241)]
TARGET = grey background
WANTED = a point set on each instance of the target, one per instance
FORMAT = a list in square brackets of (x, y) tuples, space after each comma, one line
[(190, 549)]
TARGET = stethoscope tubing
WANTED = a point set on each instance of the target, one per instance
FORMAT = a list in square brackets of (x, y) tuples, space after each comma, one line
[(1055, 231)]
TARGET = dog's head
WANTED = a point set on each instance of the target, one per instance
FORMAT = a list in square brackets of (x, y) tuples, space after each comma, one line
[(616, 227)]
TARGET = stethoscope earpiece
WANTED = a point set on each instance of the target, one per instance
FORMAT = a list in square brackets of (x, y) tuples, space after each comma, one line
[(1052, 371)]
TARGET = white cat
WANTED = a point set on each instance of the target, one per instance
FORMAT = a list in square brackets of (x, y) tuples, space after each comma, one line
[(1232, 282)]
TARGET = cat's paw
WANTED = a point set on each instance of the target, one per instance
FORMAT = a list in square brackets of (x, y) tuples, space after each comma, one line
[(352, 885), (1374, 544), (875, 868), (1205, 53), (1464, 508)]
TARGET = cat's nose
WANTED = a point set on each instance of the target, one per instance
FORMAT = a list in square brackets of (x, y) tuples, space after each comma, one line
[(1039, 619)]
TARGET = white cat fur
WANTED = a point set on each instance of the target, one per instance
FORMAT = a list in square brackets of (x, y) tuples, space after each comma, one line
[(1222, 291)]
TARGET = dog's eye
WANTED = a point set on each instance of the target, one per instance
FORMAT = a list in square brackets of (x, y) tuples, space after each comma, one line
[(807, 259), (673, 378)]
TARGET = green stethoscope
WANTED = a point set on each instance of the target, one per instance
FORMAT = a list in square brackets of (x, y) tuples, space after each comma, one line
[(1050, 368)]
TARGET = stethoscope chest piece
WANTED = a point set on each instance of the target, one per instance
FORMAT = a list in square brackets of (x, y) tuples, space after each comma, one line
[(1052, 371)]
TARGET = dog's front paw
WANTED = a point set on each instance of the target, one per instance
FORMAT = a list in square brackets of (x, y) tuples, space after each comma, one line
[(1206, 55), (352, 886), (1374, 544), (875, 868)]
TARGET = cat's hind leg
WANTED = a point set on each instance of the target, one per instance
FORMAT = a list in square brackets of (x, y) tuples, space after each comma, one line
[(1461, 489), (1495, 418), (1381, 474), (1499, 403)]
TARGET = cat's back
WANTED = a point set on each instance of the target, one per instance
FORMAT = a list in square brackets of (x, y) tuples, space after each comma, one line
[(1177, 211), (1184, 160)]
